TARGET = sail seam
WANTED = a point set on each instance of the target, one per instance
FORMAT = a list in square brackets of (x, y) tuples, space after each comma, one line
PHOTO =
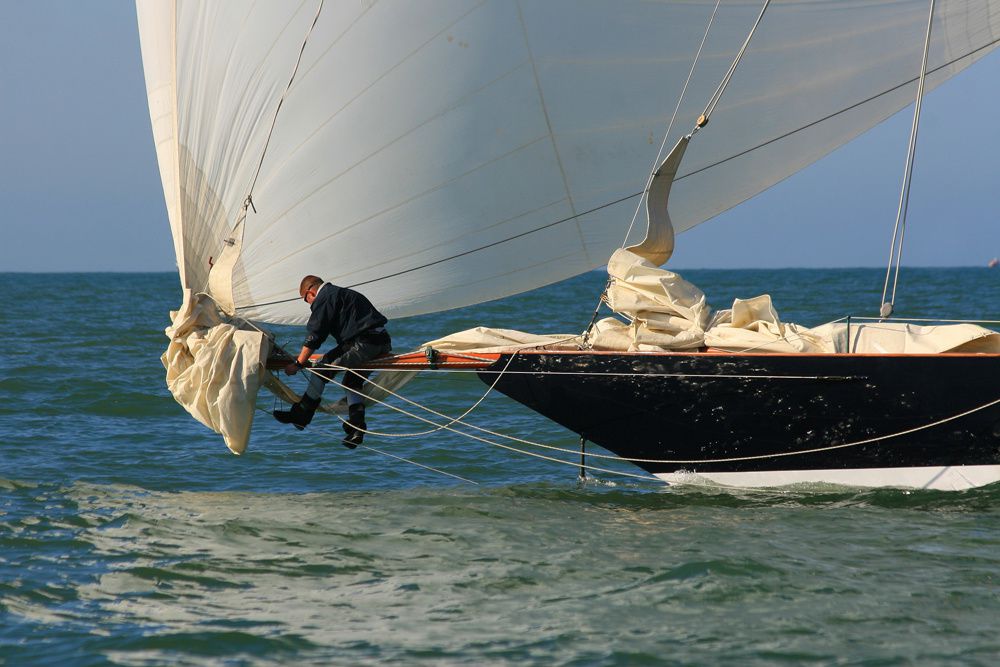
[(374, 83), (552, 135)]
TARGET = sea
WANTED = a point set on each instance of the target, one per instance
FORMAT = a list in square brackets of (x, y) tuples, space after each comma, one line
[(130, 535)]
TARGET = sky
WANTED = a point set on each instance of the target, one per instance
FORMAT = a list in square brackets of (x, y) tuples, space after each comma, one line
[(80, 188)]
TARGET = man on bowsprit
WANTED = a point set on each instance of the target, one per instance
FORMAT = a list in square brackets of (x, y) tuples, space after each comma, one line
[(361, 336)]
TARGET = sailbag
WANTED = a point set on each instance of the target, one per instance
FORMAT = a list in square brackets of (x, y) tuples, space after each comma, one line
[(444, 153)]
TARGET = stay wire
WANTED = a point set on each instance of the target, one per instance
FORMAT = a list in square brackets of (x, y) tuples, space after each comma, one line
[(673, 117), (904, 196), (401, 458), (248, 201), (717, 96), (281, 101)]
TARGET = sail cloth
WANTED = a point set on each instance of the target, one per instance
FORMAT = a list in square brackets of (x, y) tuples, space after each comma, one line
[(214, 369), (666, 312), (448, 152)]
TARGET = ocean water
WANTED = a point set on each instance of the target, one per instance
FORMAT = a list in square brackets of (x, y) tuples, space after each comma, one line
[(130, 535)]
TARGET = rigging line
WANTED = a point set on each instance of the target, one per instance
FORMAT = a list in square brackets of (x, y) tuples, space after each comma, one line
[(814, 450), (574, 464), (732, 70), (420, 465), (904, 195), (836, 113), (670, 125), (452, 421), (461, 254), (400, 458), (496, 243)]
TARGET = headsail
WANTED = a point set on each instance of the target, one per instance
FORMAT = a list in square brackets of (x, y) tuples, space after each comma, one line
[(445, 153)]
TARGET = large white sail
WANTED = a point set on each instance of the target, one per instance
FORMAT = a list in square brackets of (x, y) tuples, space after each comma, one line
[(442, 153)]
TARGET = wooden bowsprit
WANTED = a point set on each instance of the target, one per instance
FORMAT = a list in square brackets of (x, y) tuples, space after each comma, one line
[(420, 360)]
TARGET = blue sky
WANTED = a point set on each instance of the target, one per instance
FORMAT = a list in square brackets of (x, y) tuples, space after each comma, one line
[(80, 190)]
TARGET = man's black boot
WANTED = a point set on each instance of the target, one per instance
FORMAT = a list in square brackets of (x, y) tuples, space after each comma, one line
[(301, 413), (355, 421)]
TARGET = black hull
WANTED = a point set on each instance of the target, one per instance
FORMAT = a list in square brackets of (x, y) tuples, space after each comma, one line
[(696, 407)]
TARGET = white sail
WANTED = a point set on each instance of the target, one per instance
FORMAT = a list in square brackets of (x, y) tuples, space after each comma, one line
[(442, 153)]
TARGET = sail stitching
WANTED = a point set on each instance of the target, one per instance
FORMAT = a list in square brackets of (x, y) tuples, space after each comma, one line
[(552, 135)]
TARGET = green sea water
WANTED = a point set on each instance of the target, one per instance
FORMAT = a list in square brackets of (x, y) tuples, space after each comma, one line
[(130, 535)]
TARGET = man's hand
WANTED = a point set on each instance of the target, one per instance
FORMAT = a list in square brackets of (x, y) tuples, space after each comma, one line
[(297, 365)]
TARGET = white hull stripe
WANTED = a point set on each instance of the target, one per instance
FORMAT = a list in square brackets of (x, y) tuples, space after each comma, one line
[(946, 478)]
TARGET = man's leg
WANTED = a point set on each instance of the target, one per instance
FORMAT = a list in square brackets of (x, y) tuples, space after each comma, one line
[(358, 355)]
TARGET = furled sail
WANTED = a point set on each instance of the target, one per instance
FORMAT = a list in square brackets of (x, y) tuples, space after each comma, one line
[(447, 152)]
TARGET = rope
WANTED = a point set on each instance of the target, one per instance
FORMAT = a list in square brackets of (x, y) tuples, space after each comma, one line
[(485, 440), (400, 458), (438, 428), (670, 125), (904, 195), (461, 254), (714, 101)]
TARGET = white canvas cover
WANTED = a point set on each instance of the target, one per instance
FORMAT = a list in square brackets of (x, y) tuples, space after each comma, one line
[(908, 338)]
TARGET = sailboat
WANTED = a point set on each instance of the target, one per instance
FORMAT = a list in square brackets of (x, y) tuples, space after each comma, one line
[(440, 154)]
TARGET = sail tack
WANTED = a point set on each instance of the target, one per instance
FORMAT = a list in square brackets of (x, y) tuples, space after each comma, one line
[(448, 152)]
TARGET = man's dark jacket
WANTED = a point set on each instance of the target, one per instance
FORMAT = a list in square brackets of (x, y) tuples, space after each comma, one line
[(342, 313)]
